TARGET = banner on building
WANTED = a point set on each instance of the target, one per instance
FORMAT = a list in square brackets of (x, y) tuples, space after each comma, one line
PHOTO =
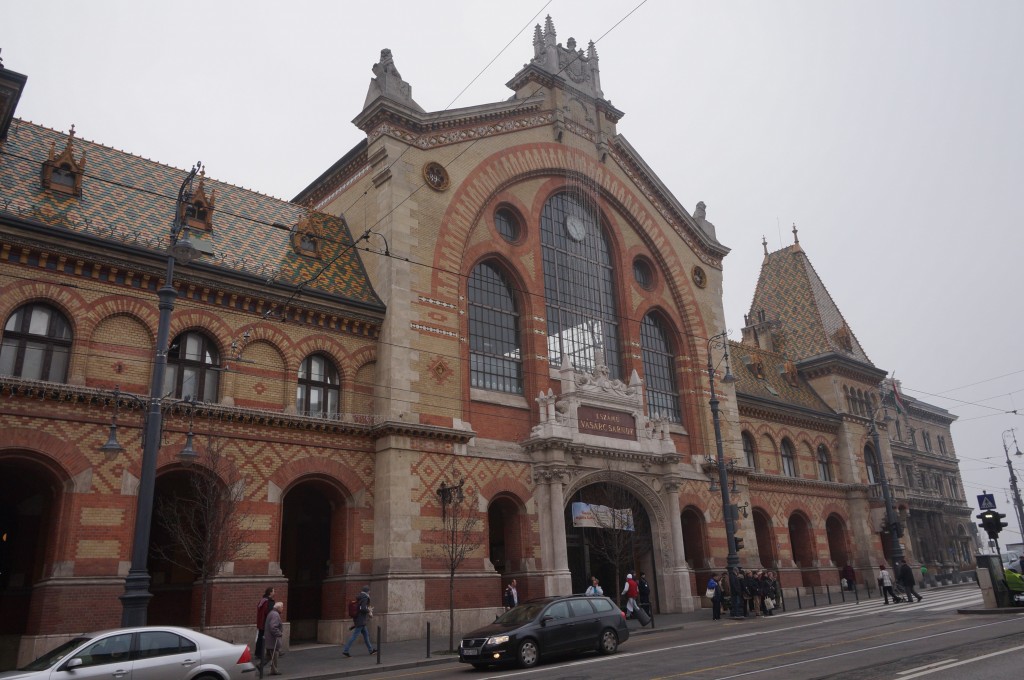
[(601, 517)]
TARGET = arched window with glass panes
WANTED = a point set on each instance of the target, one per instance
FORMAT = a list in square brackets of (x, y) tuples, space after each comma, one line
[(788, 459), (318, 393), (579, 285), (193, 367), (749, 451), (659, 370), (824, 464), (871, 463), (495, 353), (36, 344)]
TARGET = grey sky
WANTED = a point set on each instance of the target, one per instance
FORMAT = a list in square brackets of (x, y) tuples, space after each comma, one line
[(890, 132)]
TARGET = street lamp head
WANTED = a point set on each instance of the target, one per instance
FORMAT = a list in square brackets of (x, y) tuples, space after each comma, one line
[(728, 378), (183, 249), (112, 448), (188, 455)]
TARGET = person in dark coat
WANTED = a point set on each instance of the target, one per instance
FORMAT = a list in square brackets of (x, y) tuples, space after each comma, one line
[(644, 592), (850, 576), (716, 599), (736, 592), (265, 605), (906, 576), (359, 622), (273, 633)]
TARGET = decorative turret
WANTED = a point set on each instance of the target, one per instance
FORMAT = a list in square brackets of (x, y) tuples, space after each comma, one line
[(578, 68)]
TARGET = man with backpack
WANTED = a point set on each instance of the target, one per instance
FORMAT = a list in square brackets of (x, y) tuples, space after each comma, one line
[(360, 611)]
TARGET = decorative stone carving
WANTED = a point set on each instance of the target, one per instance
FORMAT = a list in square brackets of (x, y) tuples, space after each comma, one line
[(578, 67), (388, 83)]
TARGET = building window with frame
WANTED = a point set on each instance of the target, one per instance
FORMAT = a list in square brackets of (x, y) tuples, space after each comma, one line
[(318, 392), (193, 367), (659, 371), (927, 437), (579, 285), (824, 464), (507, 224), (788, 459), (942, 444), (749, 450), (495, 353), (36, 344), (871, 463)]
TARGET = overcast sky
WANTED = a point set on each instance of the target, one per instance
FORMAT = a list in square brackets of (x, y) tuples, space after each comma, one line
[(891, 133)]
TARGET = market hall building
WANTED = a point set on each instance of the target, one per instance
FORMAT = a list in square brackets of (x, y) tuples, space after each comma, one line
[(503, 295)]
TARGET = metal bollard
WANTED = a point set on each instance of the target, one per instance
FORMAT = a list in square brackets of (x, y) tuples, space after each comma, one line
[(799, 602), (856, 594), (814, 597), (428, 639), (828, 591), (378, 645)]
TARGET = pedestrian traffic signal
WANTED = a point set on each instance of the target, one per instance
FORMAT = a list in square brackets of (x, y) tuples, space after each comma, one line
[(739, 543), (992, 522)]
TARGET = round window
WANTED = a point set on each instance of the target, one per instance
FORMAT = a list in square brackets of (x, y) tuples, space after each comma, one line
[(507, 224), (643, 273)]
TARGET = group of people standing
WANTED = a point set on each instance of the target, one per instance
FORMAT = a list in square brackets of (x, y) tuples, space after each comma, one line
[(756, 592)]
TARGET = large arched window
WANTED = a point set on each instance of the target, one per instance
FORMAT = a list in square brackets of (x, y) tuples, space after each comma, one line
[(578, 285), (788, 459), (37, 344), (749, 452), (871, 463), (192, 367), (659, 371), (824, 464), (318, 393), (495, 355)]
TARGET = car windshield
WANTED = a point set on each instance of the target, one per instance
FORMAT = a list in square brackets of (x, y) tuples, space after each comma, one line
[(54, 655), (524, 613)]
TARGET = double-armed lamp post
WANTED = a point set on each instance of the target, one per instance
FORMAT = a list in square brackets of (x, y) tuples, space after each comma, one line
[(1017, 505), (135, 600), (732, 560), (892, 522)]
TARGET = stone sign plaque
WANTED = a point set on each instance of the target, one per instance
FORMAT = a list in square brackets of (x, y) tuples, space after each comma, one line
[(606, 423)]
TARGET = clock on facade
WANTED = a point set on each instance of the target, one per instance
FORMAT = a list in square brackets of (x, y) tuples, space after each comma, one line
[(575, 227)]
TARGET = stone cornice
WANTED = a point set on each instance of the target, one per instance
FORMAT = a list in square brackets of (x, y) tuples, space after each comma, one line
[(764, 482), (799, 416), (844, 366), (426, 130)]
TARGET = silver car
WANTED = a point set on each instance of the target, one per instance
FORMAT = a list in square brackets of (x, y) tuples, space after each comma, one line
[(147, 653)]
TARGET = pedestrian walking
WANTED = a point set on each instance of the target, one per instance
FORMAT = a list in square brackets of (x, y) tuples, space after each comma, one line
[(906, 577), (363, 613), (263, 608), (511, 597), (273, 633), (769, 594), (644, 592), (849, 576), (885, 584), (631, 590)]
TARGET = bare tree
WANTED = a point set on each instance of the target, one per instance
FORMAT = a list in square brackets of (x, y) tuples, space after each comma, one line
[(460, 538), (618, 536), (203, 523)]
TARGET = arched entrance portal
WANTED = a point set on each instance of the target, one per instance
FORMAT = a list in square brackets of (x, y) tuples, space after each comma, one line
[(312, 539), (838, 541), (611, 537), (30, 502), (801, 539), (767, 546), (695, 545), (505, 536), (172, 575)]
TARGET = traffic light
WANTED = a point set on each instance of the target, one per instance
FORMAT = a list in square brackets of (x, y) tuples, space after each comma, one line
[(992, 522), (739, 543)]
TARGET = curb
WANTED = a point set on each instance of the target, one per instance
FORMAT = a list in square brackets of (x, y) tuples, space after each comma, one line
[(376, 668)]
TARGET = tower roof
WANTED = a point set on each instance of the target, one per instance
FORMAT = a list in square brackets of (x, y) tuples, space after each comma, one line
[(804, 320)]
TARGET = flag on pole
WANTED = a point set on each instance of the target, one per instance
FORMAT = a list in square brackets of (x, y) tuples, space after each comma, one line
[(897, 400)]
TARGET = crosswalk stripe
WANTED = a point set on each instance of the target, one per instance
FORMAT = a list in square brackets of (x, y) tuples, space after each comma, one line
[(947, 601)]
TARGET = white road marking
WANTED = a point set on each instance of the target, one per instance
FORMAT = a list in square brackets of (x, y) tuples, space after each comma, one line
[(965, 661)]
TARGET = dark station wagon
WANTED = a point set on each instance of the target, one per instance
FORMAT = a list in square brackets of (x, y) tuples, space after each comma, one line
[(547, 627)]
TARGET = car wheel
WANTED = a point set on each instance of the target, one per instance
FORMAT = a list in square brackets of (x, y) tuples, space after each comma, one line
[(609, 642), (529, 654)]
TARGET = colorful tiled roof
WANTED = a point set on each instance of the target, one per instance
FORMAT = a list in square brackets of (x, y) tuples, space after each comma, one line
[(132, 199), (766, 375), (808, 321)]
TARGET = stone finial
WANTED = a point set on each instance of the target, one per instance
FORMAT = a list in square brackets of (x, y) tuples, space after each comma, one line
[(549, 31), (764, 242), (700, 212), (796, 239), (388, 83)]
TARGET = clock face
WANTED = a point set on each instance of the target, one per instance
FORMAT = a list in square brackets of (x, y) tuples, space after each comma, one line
[(575, 227)]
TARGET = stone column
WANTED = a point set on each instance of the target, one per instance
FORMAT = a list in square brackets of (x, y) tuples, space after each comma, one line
[(677, 595), (559, 579)]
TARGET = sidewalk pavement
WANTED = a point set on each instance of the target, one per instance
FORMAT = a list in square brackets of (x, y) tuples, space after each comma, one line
[(324, 662)]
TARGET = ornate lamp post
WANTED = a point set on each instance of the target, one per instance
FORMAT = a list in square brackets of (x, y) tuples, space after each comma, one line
[(728, 511), (135, 600), (1017, 505), (892, 522)]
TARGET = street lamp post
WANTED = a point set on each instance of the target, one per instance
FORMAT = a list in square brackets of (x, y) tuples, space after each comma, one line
[(135, 600), (732, 561), (1017, 505), (892, 523)]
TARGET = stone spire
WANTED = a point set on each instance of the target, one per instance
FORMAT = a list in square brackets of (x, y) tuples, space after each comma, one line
[(388, 83), (577, 68)]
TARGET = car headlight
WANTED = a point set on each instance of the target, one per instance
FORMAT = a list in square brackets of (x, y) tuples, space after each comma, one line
[(497, 640)]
